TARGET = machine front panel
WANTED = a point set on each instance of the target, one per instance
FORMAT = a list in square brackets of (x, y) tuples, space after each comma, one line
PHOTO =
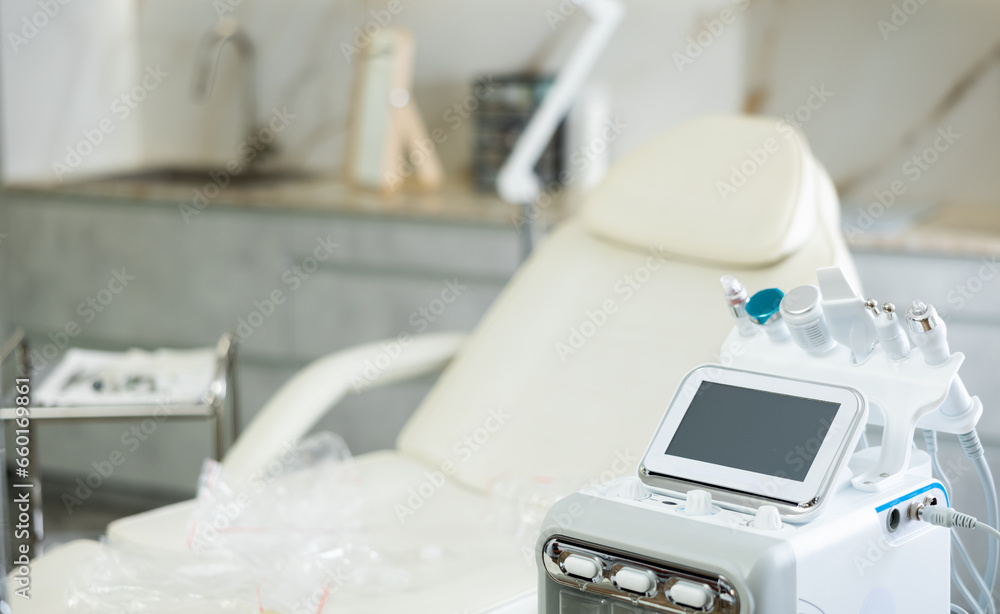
[(594, 579)]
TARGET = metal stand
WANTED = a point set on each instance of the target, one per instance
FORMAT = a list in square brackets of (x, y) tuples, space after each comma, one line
[(526, 230), (219, 406), (17, 346)]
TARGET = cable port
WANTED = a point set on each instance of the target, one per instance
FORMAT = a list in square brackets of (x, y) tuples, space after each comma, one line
[(893, 519), (917, 507)]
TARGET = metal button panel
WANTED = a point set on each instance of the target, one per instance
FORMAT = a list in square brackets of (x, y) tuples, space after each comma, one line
[(623, 577)]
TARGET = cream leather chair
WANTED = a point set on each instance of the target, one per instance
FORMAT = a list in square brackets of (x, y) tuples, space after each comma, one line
[(572, 367)]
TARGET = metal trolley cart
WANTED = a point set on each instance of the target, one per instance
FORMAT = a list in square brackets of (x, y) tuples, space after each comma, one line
[(218, 406)]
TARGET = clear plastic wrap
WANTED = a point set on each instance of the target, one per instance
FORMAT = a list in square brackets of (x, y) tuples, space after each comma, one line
[(305, 536), (283, 540), (519, 505)]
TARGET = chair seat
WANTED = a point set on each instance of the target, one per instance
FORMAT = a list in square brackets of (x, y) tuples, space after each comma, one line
[(49, 575), (164, 528), (456, 557), (567, 374)]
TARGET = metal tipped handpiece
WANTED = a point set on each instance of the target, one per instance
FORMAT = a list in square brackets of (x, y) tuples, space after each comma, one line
[(736, 299), (872, 306), (891, 335), (929, 333)]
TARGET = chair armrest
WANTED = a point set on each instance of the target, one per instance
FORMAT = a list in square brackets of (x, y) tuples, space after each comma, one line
[(305, 398)]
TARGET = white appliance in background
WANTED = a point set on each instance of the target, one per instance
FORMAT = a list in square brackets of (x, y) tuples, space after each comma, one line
[(590, 137), (517, 183)]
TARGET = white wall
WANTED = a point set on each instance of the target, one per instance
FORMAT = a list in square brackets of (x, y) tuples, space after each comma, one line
[(457, 40), (91, 53), (297, 67), (885, 81), (303, 64), (62, 74)]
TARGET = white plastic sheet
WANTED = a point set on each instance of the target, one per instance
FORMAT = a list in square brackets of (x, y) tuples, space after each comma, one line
[(281, 541)]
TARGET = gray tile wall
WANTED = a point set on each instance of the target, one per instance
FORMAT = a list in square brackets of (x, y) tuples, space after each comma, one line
[(5, 327), (194, 281)]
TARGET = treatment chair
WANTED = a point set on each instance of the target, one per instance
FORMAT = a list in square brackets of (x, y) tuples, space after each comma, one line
[(571, 369)]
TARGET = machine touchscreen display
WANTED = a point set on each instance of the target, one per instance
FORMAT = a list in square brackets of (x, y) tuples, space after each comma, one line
[(753, 430)]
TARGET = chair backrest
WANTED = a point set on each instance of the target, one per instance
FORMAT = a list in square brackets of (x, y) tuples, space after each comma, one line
[(571, 369)]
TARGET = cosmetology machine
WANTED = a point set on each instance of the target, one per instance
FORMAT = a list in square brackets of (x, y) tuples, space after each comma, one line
[(759, 492)]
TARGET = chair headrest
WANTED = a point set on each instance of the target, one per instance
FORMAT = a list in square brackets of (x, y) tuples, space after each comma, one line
[(727, 189)]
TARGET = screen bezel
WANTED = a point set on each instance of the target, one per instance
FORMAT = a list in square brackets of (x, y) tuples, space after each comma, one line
[(843, 431)]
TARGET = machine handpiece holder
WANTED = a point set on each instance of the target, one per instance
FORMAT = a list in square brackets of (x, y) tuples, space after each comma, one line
[(930, 334), (909, 389)]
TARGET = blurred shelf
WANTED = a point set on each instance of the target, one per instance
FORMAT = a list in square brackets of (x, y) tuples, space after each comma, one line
[(454, 202), (947, 230)]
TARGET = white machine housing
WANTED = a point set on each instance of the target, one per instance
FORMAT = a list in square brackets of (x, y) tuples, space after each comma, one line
[(848, 560), (629, 547), (756, 398)]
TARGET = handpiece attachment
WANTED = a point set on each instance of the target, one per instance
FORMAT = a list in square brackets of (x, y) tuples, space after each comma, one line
[(851, 322), (736, 298), (891, 335)]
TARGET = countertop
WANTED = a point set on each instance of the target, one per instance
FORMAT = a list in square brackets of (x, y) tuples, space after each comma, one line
[(454, 201), (946, 230)]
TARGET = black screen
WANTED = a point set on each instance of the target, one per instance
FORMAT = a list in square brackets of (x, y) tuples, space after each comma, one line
[(763, 432)]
